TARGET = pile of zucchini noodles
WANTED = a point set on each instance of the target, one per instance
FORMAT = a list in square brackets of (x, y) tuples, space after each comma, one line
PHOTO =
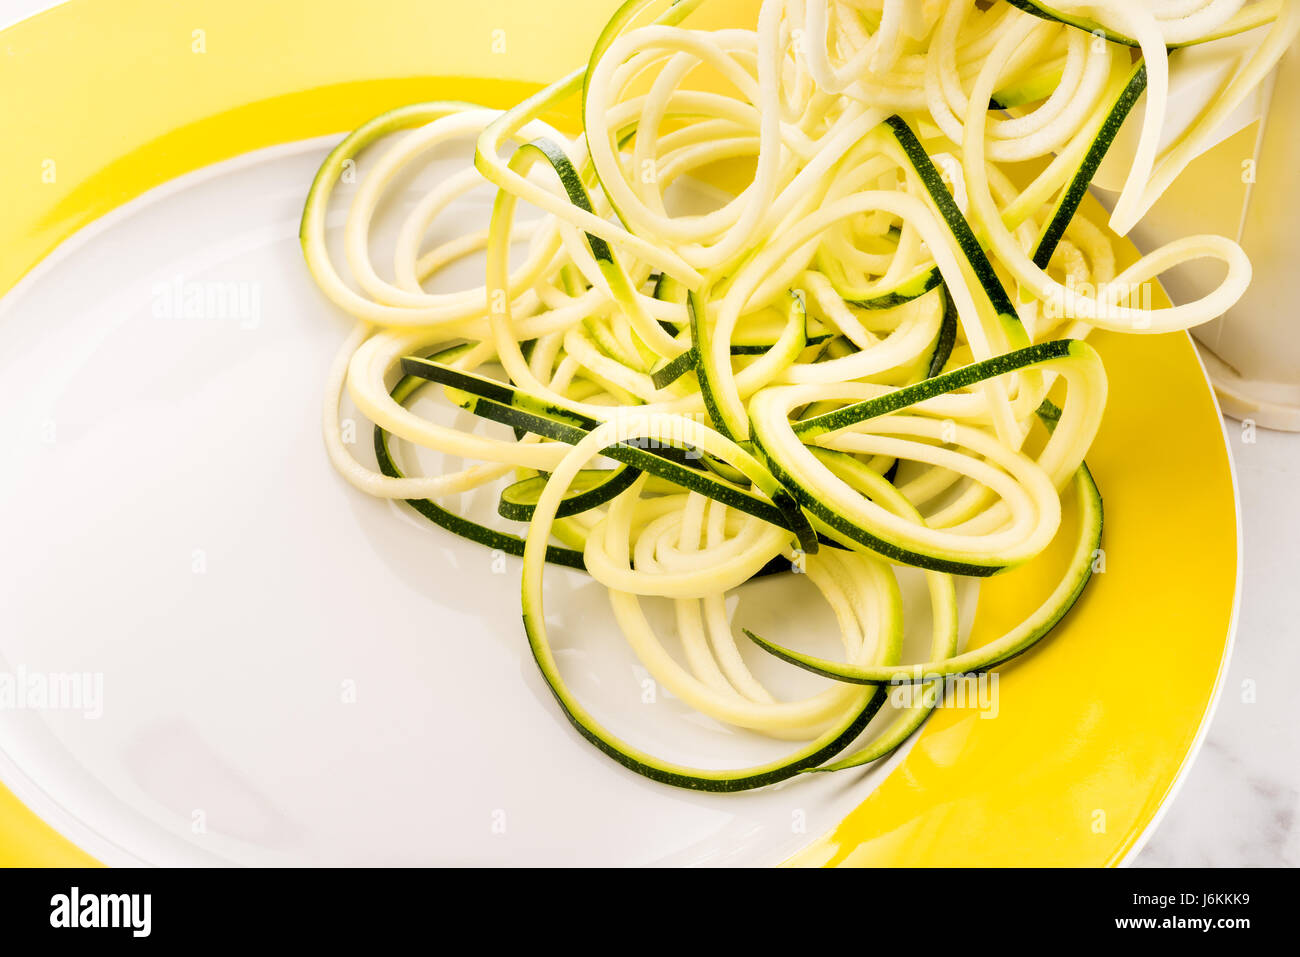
[(841, 368)]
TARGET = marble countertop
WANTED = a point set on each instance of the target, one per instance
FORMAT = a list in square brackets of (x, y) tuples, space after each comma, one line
[(1239, 803)]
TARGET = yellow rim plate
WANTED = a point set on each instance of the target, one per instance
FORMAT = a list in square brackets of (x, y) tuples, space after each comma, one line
[(1094, 727)]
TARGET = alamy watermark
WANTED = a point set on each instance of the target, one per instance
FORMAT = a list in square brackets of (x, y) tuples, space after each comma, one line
[(235, 300), (979, 692), (1105, 301), (24, 690)]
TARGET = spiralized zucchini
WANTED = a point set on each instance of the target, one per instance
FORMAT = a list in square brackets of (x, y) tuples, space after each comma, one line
[(839, 367)]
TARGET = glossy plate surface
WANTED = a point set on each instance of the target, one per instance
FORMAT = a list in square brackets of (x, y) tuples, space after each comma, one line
[(174, 527)]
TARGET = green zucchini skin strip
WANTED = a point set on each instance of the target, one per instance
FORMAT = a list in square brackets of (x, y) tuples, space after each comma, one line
[(944, 644), (947, 336), (1043, 11), (481, 534), (519, 500), (880, 546), (758, 349), (1019, 639), (894, 401), (525, 350), (574, 189), (620, 284), (668, 289), (913, 287), (968, 375), (1013, 643), (910, 719), (890, 740), (656, 463), (510, 544), (705, 371), (675, 369), (684, 363), (1036, 87), (510, 406), (1072, 196), (960, 228), (826, 746)]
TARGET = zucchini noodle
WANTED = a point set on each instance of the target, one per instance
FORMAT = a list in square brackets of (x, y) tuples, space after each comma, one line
[(808, 286)]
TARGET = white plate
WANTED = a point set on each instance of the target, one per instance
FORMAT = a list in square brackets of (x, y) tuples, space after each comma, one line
[(292, 672)]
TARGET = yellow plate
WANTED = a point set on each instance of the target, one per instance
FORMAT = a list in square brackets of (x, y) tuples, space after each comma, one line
[(109, 98)]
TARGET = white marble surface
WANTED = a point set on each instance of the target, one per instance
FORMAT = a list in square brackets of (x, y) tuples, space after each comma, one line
[(1238, 805)]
